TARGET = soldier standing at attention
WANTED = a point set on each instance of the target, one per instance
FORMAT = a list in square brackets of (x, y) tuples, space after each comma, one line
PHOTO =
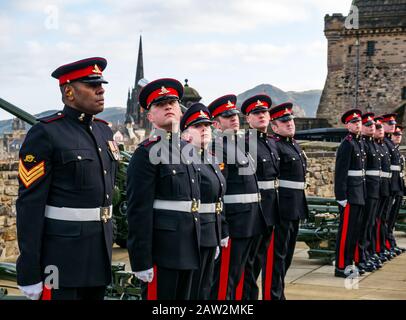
[(195, 127), (67, 169), (292, 199), (244, 219), (385, 191), (350, 191), (256, 109), (372, 173), (399, 186), (163, 197)]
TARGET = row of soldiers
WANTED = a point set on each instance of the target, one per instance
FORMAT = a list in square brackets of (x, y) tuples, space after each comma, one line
[(369, 188), (203, 221), (205, 228)]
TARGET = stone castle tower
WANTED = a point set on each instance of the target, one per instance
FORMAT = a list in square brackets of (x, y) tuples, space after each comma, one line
[(366, 66)]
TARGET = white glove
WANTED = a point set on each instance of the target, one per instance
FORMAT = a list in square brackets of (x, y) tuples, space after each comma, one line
[(33, 291), (224, 242), (146, 275), (342, 203), (217, 253)]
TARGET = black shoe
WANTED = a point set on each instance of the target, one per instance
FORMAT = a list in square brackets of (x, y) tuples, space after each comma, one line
[(378, 265), (396, 251), (388, 255), (383, 258), (402, 249), (347, 272), (340, 273), (363, 268)]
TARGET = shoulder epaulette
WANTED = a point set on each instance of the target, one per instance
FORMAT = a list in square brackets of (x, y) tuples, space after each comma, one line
[(348, 137), (276, 138), (52, 117), (100, 120), (150, 140)]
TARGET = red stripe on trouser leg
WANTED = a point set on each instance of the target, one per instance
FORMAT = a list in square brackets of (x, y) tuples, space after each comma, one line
[(388, 246), (356, 254), (46, 293), (378, 236), (224, 266), (152, 291), (269, 270), (240, 287), (343, 236)]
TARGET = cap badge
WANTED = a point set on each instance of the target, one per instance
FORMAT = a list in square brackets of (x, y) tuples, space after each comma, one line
[(229, 104), (259, 103), (203, 115), (96, 69), (163, 90)]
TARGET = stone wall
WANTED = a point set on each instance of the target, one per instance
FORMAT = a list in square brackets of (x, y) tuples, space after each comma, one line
[(8, 195), (320, 175)]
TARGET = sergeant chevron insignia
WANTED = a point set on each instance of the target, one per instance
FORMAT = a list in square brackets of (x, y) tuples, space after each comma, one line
[(29, 176)]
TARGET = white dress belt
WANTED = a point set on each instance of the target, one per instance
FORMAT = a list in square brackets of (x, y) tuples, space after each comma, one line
[(375, 173), (386, 174), (242, 198), (395, 168), (79, 214), (174, 205), (292, 184), (216, 207), (356, 173), (266, 185)]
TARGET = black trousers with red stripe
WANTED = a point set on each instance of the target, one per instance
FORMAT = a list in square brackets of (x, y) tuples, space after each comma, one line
[(283, 249), (255, 263), (347, 235), (203, 278), (393, 216), (65, 293), (384, 207), (229, 269), (168, 284), (367, 229)]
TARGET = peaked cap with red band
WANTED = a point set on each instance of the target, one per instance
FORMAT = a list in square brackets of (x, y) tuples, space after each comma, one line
[(390, 118), (368, 119), (224, 106), (378, 122), (282, 112), (160, 90), (87, 70), (197, 113), (258, 103), (352, 115)]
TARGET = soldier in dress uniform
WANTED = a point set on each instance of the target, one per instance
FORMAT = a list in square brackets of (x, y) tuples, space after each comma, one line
[(195, 127), (368, 215), (256, 109), (389, 124), (244, 218), (67, 169), (399, 186), (163, 200), (350, 191), (385, 192), (292, 199)]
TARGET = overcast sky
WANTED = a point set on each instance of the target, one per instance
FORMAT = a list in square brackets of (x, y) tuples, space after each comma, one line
[(226, 46)]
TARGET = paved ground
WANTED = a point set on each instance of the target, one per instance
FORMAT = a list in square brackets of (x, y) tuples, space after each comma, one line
[(311, 280)]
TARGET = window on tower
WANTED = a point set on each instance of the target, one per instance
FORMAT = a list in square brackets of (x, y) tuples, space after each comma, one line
[(371, 48)]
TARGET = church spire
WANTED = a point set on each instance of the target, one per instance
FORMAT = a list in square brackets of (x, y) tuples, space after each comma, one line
[(140, 65)]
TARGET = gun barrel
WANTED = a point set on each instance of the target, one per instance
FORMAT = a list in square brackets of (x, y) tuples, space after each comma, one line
[(17, 112)]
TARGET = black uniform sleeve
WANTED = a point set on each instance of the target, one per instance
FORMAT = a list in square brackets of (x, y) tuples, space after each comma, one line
[(343, 161), (35, 175), (141, 180)]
